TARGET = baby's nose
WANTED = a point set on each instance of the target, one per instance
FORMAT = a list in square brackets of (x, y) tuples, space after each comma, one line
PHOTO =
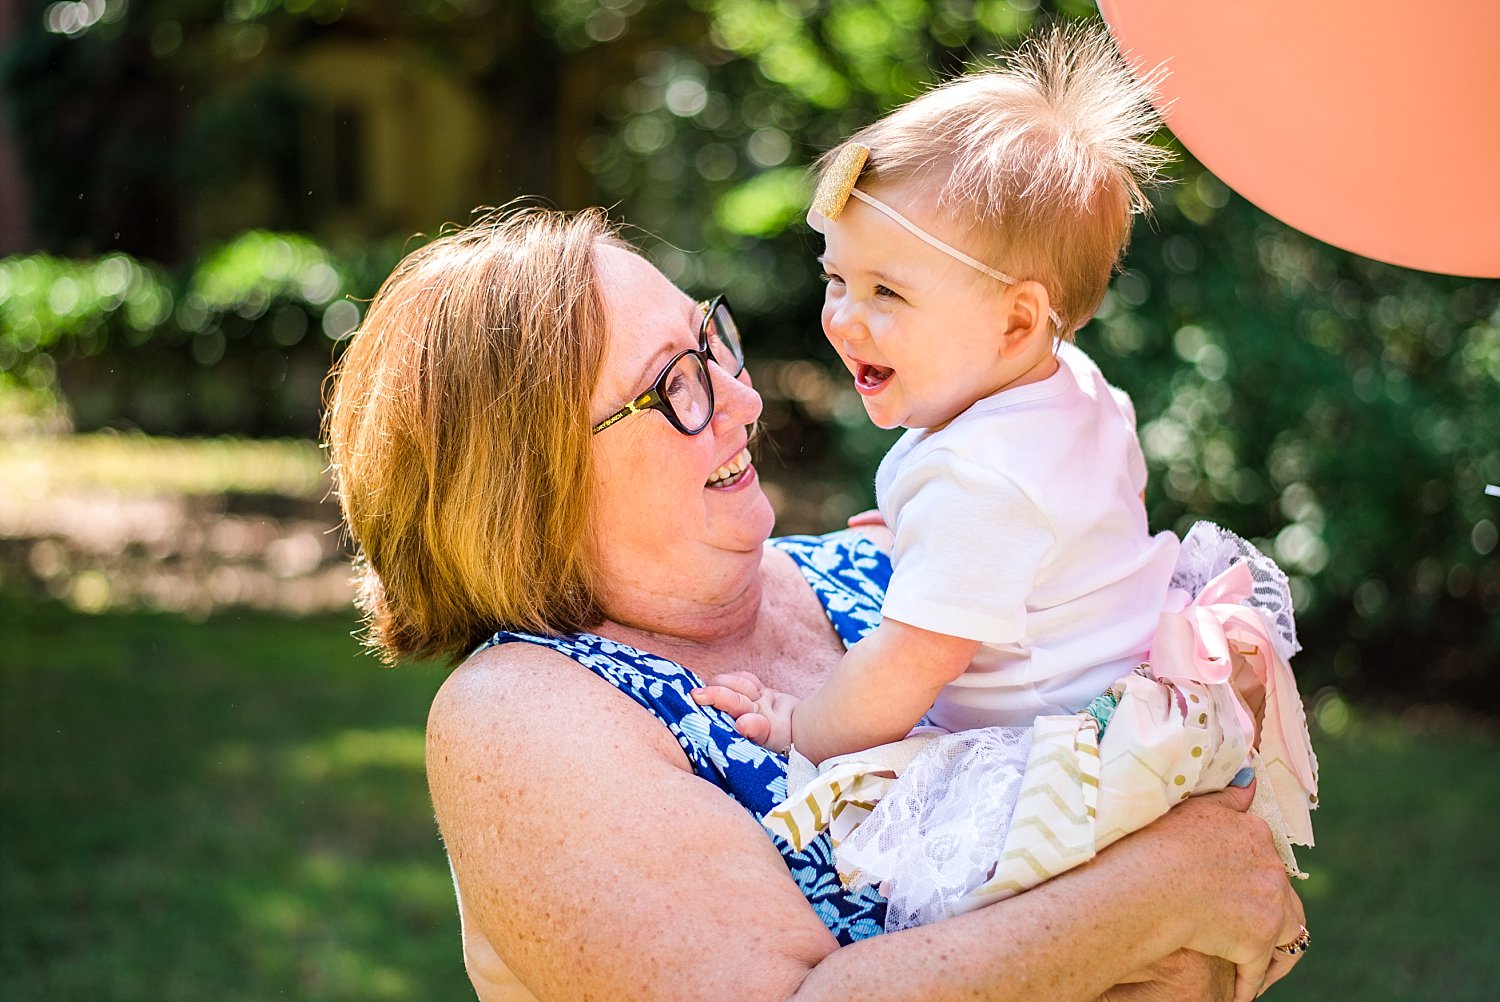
[(842, 323)]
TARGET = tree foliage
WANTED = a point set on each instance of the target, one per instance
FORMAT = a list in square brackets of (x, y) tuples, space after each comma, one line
[(1343, 413)]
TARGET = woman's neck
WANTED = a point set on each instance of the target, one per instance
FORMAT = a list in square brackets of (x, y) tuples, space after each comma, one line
[(770, 625), (688, 627)]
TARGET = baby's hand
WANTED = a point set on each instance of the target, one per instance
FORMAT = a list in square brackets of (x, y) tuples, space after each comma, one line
[(762, 714)]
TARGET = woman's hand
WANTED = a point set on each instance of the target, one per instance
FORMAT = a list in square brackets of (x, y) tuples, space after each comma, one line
[(1253, 909), (1184, 976)]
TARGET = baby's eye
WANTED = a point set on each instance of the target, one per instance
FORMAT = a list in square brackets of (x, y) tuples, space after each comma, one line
[(829, 279), (884, 293)]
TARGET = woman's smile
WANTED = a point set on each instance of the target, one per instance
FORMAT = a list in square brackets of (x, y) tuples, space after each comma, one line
[(736, 471)]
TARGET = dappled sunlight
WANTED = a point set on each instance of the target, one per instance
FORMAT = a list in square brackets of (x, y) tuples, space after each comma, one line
[(327, 909), (111, 521), (354, 751), (38, 467)]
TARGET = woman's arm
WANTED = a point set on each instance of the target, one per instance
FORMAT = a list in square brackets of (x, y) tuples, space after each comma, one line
[(597, 865)]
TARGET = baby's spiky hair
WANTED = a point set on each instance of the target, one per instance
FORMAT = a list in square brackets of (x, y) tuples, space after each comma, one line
[(1039, 161)]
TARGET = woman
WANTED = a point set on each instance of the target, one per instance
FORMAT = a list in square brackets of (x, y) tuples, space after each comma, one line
[(535, 432)]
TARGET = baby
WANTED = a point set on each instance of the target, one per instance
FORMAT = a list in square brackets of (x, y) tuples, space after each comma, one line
[(969, 234)]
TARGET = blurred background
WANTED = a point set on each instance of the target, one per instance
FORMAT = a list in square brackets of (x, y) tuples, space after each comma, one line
[(207, 791)]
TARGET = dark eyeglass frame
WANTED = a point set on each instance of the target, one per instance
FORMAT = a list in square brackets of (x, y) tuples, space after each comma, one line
[(655, 398)]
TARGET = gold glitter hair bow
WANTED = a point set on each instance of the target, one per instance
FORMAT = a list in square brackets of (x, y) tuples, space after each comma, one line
[(839, 179)]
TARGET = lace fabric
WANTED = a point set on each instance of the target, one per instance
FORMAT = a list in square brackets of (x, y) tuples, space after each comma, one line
[(941, 828)]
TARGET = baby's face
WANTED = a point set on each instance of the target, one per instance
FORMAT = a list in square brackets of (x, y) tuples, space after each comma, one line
[(918, 330)]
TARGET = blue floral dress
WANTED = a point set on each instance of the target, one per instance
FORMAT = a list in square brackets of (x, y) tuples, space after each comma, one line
[(849, 576)]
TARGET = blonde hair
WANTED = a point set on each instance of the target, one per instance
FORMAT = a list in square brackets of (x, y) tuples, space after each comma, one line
[(1042, 161), (458, 431)]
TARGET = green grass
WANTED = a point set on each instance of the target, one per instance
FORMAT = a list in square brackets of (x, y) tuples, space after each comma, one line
[(228, 810), (235, 809), (1403, 884)]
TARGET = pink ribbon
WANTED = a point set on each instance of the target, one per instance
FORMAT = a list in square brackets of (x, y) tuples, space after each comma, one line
[(1198, 643)]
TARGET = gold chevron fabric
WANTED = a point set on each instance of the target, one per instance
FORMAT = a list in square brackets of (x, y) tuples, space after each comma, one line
[(1052, 829), (841, 797), (841, 793)]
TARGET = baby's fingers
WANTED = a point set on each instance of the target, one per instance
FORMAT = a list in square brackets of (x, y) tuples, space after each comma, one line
[(742, 682), (721, 697), (754, 727)]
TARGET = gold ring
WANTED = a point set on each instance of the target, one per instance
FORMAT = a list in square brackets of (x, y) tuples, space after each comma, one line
[(1298, 945)]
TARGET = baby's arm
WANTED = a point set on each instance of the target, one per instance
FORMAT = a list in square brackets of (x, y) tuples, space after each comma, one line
[(876, 695), (879, 690)]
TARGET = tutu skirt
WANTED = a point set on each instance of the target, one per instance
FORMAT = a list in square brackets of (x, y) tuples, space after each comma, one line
[(947, 823)]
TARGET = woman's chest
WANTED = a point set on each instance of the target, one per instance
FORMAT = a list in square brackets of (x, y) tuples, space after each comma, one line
[(797, 645)]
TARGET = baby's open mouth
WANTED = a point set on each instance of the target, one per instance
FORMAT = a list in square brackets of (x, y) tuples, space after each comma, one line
[(731, 472), (870, 376)]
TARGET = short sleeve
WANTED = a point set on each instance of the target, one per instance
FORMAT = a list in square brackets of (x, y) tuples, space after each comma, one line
[(969, 544)]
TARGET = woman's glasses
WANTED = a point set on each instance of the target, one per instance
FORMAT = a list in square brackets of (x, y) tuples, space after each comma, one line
[(684, 392)]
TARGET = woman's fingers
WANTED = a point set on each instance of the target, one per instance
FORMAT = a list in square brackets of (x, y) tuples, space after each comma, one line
[(1249, 980), (1291, 944), (1281, 965), (1252, 980), (1236, 798)]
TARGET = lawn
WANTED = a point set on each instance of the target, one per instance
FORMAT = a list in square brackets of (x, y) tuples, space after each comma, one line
[(235, 809), (232, 809)]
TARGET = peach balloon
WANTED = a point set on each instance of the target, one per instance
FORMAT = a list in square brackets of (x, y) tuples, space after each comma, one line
[(1373, 125)]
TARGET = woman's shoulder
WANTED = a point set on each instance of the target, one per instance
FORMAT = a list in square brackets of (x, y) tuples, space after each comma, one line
[(497, 675), (512, 702)]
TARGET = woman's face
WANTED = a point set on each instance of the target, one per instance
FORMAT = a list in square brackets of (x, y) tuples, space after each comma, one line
[(660, 526)]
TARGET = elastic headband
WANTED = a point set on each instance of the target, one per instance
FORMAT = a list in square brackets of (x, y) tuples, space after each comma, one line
[(838, 184)]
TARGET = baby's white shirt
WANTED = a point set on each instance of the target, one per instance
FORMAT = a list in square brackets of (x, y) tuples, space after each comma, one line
[(1020, 524)]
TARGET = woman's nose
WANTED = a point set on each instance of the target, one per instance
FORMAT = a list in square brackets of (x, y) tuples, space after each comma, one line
[(735, 400)]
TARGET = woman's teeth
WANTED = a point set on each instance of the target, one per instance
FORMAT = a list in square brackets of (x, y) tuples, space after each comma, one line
[(730, 472)]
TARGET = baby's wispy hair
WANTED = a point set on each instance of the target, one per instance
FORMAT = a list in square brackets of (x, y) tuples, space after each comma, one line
[(1040, 160)]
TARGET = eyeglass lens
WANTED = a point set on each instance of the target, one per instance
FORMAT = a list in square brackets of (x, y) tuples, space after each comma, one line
[(687, 392), (723, 337)]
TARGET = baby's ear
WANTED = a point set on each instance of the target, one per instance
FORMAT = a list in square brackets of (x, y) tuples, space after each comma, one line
[(1025, 313)]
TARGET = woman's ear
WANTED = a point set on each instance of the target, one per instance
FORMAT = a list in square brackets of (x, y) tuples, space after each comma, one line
[(1025, 318)]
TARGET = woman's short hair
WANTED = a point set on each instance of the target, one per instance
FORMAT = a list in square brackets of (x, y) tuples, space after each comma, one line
[(458, 432), (1040, 161)]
